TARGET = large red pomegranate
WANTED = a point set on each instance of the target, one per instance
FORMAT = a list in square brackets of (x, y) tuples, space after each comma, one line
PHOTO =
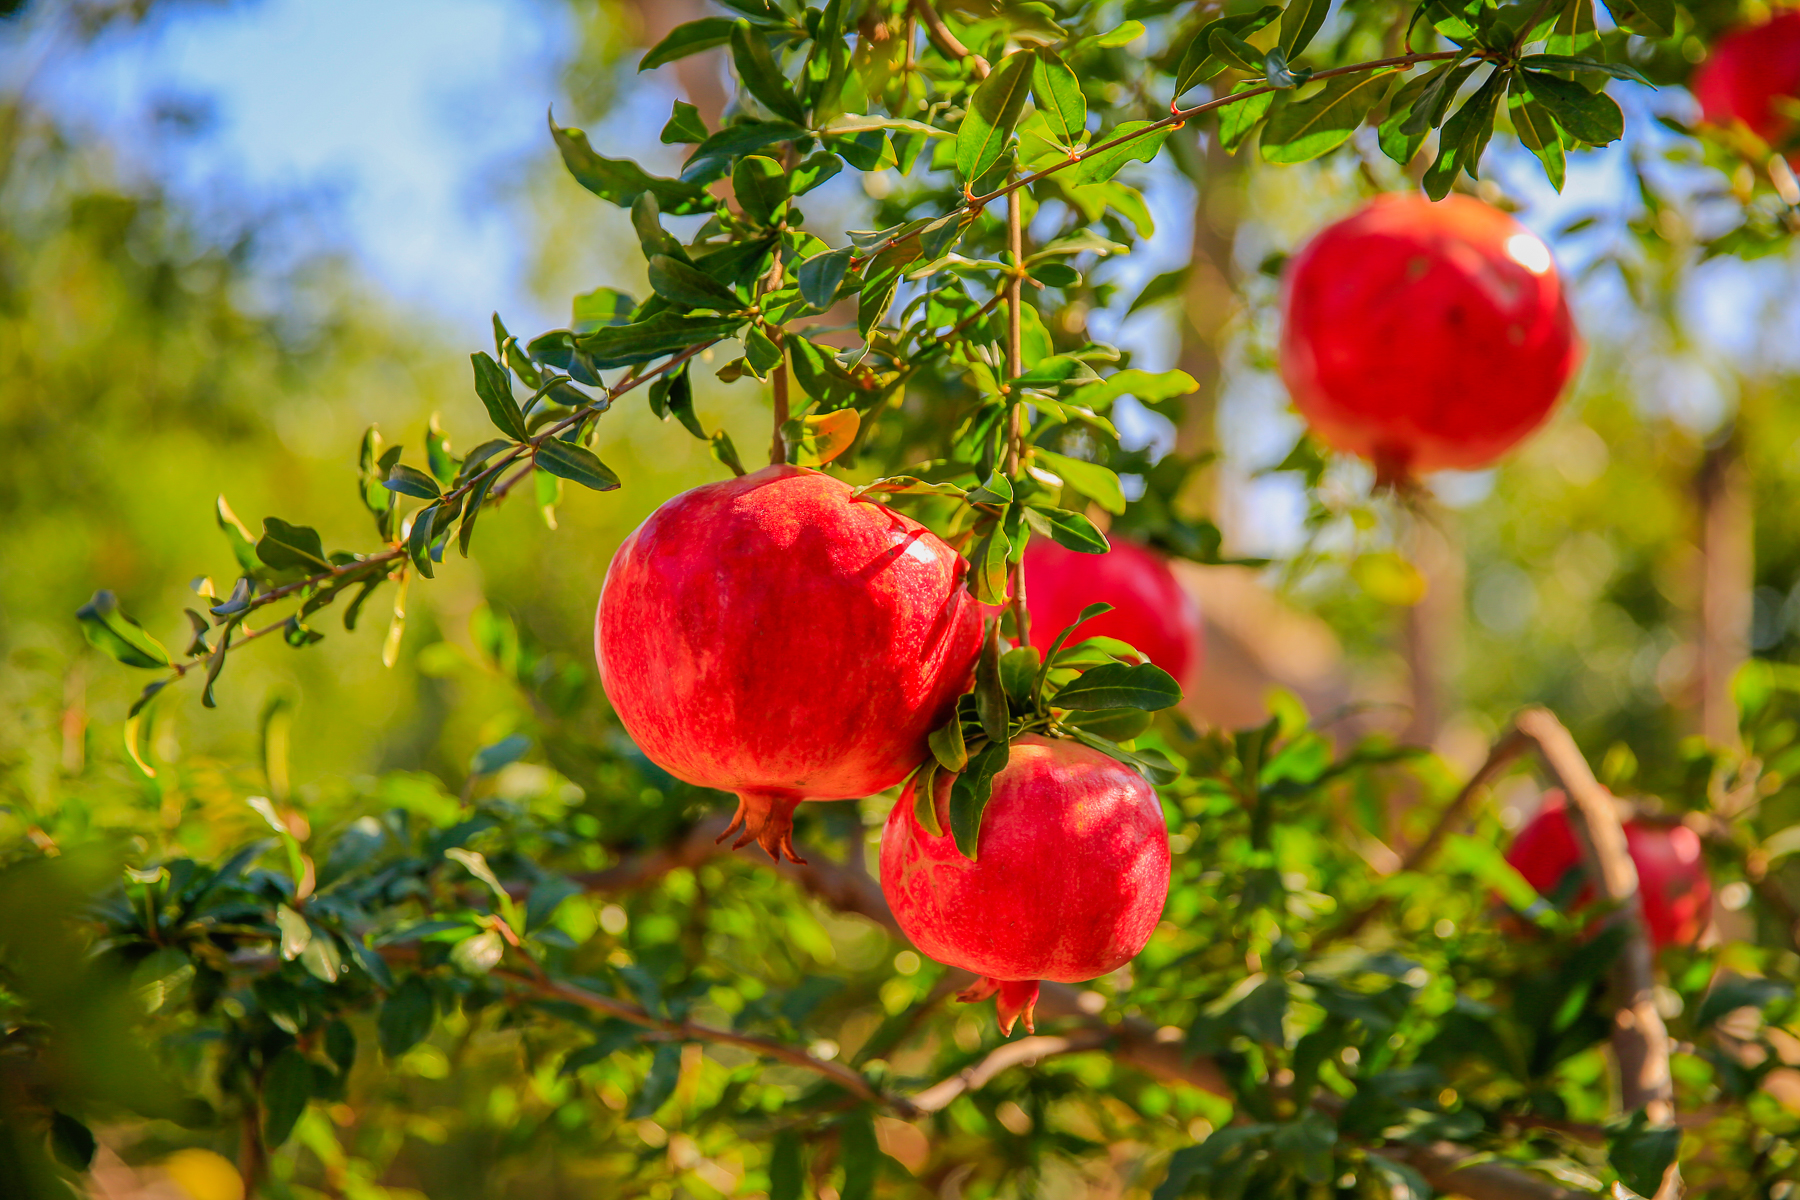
[(1673, 886), (1748, 71), (1425, 335), (1070, 874), (772, 637), (1150, 609)]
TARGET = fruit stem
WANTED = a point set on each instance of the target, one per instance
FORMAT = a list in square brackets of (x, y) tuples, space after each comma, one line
[(766, 818), (1015, 448)]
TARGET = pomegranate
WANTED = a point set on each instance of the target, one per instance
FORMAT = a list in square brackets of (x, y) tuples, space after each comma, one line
[(772, 637), (1425, 335), (1150, 609), (1071, 872), (1748, 71), (1673, 886)]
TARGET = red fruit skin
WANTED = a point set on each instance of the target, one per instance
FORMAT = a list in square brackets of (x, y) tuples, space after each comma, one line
[(1071, 872), (772, 637), (1150, 608), (1425, 336), (1745, 73), (1673, 886)]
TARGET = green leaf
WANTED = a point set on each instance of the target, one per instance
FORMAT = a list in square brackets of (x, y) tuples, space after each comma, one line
[(410, 481), (679, 283), (726, 453), (286, 1087), (504, 752), (1464, 137), (1120, 685), (787, 1173), (297, 546), (1300, 22), (659, 1082), (1398, 145), (1236, 121), (1068, 529), (1058, 95), (970, 793), (1537, 133), (664, 333), (1652, 18), (1565, 62), (1302, 130), (761, 352), (622, 181), (1641, 1152), (990, 691), (760, 184), (566, 460), (1434, 99), (861, 1154), (494, 385), (107, 626), (72, 1142), (418, 538), (989, 564), (1099, 166), (692, 37), (1229, 48), (761, 77), (1199, 63), (684, 126), (821, 275), (947, 745), (816, 169), (1731, 993), (406, 1017), (819, 438), (602, 306), (711, 157), (1591, 117), (1114, 724), (1575, 30), (1099, 484), (992, 115)]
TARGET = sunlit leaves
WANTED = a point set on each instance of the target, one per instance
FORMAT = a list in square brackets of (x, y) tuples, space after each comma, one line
[(1106, 161), (992, 116), (683, 285), (692, 37), (567, 460), (1301, 130), (761, 77), (1058, 95), (107, 626), (622, 181)]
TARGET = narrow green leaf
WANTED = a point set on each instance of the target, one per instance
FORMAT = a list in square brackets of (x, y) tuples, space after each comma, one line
[(1652, 18), (947, 745), (472, 510), (1566, 62), (989, 564), (285, 546), (410, 481), (1099, 484), (1058, 95), (761, 77), (418, 539), (992, 115), (1237, 121), (1198, 63), (286, 1087), (679, 283), (990, 692), (1441, 86), (493, 383), (1537, 132), (664, 333), (107, 626), (622, 181), (1068, 529), (970, 793), (1097, 167), (659, 1082), (566, 460), (1120, 685), (726, 453), (693, 37), (1232, 50), (924, 792), (787, 1173), (1303, 130), (1300, 22)]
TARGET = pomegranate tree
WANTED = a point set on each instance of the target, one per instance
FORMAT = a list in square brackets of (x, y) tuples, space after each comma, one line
[(1424, 335), (1150, 609), (770, 636), (1068, 881), (1749, 75), (1673, 887)]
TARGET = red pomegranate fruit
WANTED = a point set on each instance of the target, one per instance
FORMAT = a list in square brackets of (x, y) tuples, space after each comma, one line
[(1673, 886), (1425, 336), (1748, 72), (1071, 871), (1150, 609), (772, 637)]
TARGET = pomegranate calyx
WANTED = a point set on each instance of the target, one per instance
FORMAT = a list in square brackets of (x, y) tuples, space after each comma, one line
[(1017, 998), (766, 818)]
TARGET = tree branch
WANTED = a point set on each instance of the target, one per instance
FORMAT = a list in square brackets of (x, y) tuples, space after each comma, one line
[(944, 40)]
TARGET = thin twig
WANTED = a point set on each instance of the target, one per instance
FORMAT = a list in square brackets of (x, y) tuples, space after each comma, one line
[(1015, 440), (946, 41)]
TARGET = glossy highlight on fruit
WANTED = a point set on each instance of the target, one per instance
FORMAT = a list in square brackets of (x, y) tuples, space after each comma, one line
[(1151, 610), (1071, 872), (1673, 885), (773, 637), (1747, 76), (1425, 336)]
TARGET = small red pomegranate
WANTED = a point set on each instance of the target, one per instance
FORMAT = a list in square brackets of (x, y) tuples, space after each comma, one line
[(772, 637), (1673, 886), (1425, 335), (1071, 872), (1748, 71), (1150, 609)]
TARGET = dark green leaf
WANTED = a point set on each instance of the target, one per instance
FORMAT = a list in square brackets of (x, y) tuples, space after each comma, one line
[(1566, 62), (947, 745), (1434, 98), (504, 752), (970, 793), (664, 333), (1300, 21), (410, 481), (286, 1088), (821, 275), (1641, 1152), (679, 283), (1097, 166), (726, 453), (1115, 724), (72, 1142), (472, 510), (1537, 133), (787, 1173), (659, 1083), (622, 181), (418, 538), (689, 38), (989, 564), (1302, 130), (990, 692), (568, 461), (1464, 137), (1591, 117), (1734, 992), (1652, 18), (816, 169), (761, 77), (712, 158), (760, 185), (1099, 484), (406, 1017), (761, 352), (1120, 685), (1069, 529), (1059, 98), (684, 126), (1198, 62), (284, 546), (494, 385), (1238, 120), (611, 1037), (861, 1154), (591, 310), (107, 626), (992, 115)]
